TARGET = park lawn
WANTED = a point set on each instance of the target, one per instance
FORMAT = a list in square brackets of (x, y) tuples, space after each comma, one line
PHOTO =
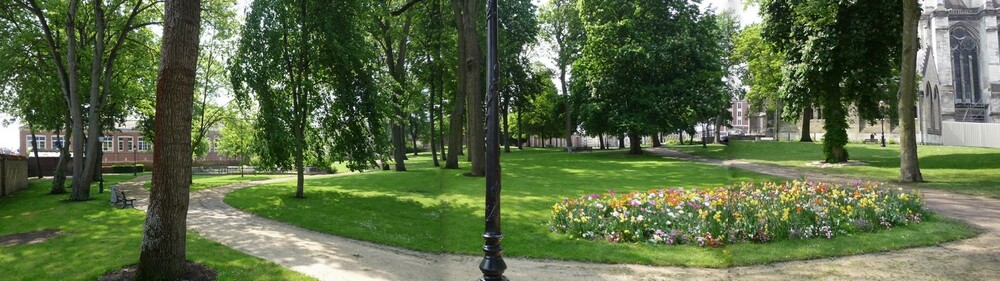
[(441, 211), (968, 170), (98, 238)]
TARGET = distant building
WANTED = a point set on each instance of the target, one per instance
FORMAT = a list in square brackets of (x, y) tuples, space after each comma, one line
[(124, 146)]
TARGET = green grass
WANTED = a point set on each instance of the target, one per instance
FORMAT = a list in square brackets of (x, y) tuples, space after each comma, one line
[(968, 170), (98, 238), (212, 181), (441, 211)]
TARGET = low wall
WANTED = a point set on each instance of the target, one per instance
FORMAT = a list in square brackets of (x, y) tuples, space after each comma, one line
[(13, 174)]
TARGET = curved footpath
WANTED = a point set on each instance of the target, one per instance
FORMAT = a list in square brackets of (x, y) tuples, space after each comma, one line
[(329, 257)]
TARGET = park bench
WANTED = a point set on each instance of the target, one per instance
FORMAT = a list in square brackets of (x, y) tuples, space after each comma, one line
[(870, 141), (121, 199)]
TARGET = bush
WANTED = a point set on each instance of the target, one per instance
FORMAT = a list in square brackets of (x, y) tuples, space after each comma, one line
[(122, 169), (743, 213)]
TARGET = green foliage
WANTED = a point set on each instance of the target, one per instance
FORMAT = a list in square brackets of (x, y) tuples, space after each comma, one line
[(440, 211), (311, 76), (622, 69), (763, 68), (837, 58)]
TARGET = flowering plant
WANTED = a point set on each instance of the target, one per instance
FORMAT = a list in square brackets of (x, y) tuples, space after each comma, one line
[(746, 212)]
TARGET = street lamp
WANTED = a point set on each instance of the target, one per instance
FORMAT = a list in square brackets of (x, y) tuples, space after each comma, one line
[(884, 108), (492, 265), (134, 160)]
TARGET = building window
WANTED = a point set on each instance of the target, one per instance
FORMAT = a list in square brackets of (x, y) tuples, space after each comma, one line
[(124, 144), (31, 143), (215, 143), (107, 144), (58, 142), (143, 146), (965, 65)]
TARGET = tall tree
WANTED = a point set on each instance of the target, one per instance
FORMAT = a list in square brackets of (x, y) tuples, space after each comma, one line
[(834, 58), (562, 27), (393, 33), (163, 243), (316, 104), (627, 79), (763, 73), (467, 98), (909, 168)]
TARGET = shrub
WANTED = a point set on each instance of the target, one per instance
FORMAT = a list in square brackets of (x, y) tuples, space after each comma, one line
[(742, 213), (122, 169)]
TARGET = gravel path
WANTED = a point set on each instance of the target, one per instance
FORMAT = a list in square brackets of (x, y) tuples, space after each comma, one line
[(329, 257)]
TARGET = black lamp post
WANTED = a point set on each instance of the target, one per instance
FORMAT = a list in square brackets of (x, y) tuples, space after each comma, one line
[(134, 160), (884, 108), (492, 265)]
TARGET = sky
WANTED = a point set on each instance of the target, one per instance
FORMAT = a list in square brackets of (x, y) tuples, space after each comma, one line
[(9, 137)]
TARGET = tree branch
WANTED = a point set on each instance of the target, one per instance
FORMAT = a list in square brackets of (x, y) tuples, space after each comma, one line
[(405, 8)]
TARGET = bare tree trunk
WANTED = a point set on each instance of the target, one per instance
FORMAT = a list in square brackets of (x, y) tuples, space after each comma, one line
[(80, 191), (621, 141), (430, 109), (656, 140), (413, 133), (163, 243), (520, 144), (471, 66), (506, 124), (600, 139), (569, 110), (635, 147), (59, 175), (34, 145), (717, 138), (455, 135), (909, 168), (807, 114)]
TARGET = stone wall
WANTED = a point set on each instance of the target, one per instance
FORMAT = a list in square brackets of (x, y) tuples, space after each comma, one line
[(13, 174)]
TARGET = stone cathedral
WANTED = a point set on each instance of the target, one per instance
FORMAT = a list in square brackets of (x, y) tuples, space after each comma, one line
[(959, 64)]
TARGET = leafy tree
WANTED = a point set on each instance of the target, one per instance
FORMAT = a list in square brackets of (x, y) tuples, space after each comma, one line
[(563, 29), (319, 100), (162, 256), (470, 88), (836, 59), (763, 71), (626, 78)]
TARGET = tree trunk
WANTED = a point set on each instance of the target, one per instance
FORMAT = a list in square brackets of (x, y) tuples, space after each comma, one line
[(909, 168), (835, 123), (300, 168), (441, 115), (470, 60), (569, 110), (162, 255), (656, 140), (430, 109), (807, 114), (635, 147), (413, 136), (520, 143), (600, 140), (506, 124), (704, 138), (34, 145), (717, 138), (621, 141), (777, 122), (59, 175), (681, 135), (458, 103), (80, 192), (399, 144)]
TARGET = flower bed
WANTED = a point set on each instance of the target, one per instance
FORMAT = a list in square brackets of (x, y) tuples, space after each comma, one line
[(743, 213)]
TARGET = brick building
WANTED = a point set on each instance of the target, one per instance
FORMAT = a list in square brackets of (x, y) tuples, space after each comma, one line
[(125, 146)]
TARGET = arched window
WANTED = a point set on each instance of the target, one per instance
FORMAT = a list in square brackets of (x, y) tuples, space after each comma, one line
[(936, 109), (965, 65)]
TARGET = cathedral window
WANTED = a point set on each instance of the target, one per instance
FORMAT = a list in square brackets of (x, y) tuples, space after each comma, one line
[(965, 66)]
